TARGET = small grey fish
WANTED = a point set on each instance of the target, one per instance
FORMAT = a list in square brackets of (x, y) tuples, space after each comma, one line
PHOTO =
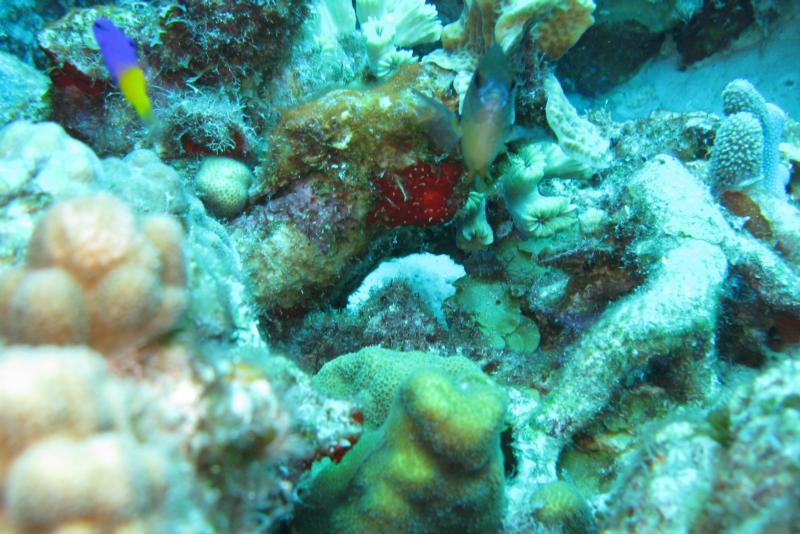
[(487, 115)]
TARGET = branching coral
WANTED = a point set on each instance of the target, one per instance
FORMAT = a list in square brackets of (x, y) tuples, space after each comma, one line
[(746, 157), (746, 148)]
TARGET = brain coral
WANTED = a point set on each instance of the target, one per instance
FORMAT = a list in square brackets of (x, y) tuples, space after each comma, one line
[(222, 185)]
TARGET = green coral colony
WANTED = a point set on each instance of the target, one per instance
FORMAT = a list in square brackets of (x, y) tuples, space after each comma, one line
[(389, 266)]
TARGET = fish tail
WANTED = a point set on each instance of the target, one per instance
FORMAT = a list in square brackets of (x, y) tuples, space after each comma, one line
[(133, 85), (439, 123)]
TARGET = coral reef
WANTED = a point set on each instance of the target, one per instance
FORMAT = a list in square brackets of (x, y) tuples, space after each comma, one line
[(287, 303)]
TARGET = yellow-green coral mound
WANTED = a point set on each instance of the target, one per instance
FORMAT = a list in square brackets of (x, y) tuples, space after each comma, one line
[(434, 465)]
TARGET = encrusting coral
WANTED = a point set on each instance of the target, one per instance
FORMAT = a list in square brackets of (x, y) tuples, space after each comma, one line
[(92, 277)]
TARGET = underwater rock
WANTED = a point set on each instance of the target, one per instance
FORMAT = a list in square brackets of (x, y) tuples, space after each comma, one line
[(671, 478), (712, 29), (607, 55), (343, 175), (756, 486), (198, 38), (25, 91)]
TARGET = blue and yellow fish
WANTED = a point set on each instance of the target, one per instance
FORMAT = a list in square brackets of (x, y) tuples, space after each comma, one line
[(119, 54)]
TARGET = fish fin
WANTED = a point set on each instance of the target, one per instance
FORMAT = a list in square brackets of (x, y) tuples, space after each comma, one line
[(440, 123), (520, 133)]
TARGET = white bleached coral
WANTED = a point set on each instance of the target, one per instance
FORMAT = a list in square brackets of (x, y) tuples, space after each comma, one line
[(395, 24)]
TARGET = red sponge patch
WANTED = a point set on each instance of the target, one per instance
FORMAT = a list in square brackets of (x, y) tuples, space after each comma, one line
[(419, 195)]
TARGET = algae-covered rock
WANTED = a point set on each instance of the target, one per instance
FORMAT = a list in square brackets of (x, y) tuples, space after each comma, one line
[(25, 91)]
